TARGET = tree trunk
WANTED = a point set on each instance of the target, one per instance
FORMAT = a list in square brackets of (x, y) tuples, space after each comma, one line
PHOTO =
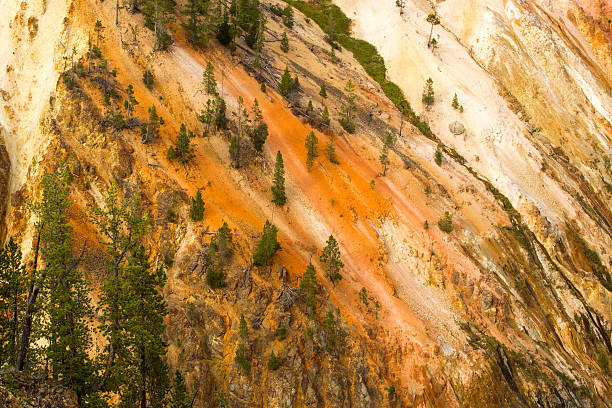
[(26, 329)]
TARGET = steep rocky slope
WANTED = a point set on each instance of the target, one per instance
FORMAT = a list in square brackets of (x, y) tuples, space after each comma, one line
[(512, 308)]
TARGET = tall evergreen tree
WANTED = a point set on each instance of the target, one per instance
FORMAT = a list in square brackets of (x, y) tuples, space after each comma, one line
[(208, 79), (311, 149), (150, 130), (278, 186), (433, 20), (182, 149), (130, 101), (286, 84), (267, 245), (145, 382), (121, 223), (219, 253), (331, 258), (195, 27), (331, 150), (157, 14), (259, 132), (180, 397), (310, 288), (284, 45), (323, 91), (428, 97), (325, 116), (196, 211), (67, 309), (13, 296), (384, 155), (347, 110)]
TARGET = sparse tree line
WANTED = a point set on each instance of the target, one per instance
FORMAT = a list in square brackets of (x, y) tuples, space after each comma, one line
[(48, 320)]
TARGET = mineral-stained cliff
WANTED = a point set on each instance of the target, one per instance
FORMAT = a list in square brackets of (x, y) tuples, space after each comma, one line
[(512, 308)]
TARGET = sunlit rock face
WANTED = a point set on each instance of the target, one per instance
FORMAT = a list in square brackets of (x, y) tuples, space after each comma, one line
[(510, 307)]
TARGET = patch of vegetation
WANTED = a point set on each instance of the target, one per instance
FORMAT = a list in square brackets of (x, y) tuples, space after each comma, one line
[(446, 223)]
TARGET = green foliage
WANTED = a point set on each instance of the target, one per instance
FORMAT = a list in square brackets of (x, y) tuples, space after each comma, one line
[(284, 45), (148, 78), (130, 101), (331, 258), (309, 286), (196, 211), (208, 79), (426, 225), (281, 333), (219, 253), (273, 363), (13, 294), (330, 324), (363, 295), (224, 32), (182, 149), (325, 116), (221, 118), (150, 130), (158, 14), (263, 87), (180, 398), (145, 309), (288, 18), (68, 311), (267, 245), (311, 149), (455, 103), (286, 84), (331, 151), (259, 131), (446, 223), (196, 26), (243, 328), (384, 155), (278, 186), (428, 97), (242, 358), (438, 157), (347, 110), (323, 91), (433, 20)]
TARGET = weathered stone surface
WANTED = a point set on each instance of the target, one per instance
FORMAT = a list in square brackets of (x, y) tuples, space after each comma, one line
[(456, 128), (5, 172)]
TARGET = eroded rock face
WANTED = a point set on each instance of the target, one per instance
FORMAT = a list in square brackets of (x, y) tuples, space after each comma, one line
[(21, 389), (456, 128), (5, 172)]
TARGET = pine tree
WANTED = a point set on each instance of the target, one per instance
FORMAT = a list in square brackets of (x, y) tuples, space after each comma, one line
[(284, 45), (331, 258), (331, 151), (157, 14), (288, 18), (196, 211), (121, 224), (259, 132), (428, 97), (207, 115), (310, 288), (455, 103), (438, 157), (13, 296), (286, 84), (323, 91), (224, 32), (99, 29), (145, 382), (221, 118), (208, 79), (150, 130), (182, 149), (67, 305), (446, 223), (148, 78), (243, 328), (195, 28), (273, 363), (309, 109), (278, 186), (267, 245), (219, 253), (331, 326), (179, 397), (433, 20), (384, 156), (242, 358), (347, 110), (311, 149), (325, 116), (130, 102)]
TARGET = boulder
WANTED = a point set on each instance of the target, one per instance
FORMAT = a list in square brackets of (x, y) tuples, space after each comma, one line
[(456, 128)]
